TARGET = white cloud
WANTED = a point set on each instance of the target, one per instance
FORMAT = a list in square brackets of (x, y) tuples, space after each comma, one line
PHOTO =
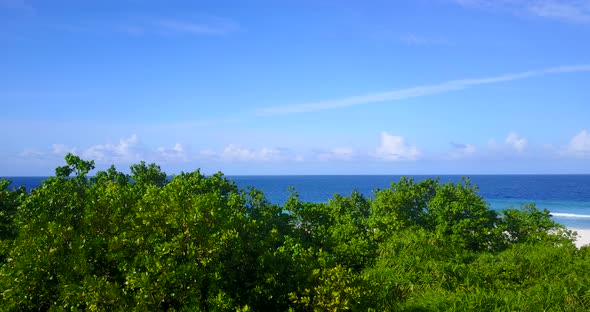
[(579, 145), (208, 153), (513, 142), (461, 151), (57, 150), (576, 11), (517, 142), (418, 91), (571, 11), (216, 26), (470, 3), (127, 150), (204, 26), (395, 148), (31, 154), (420, 40), (494, 4), (410, 38), (339, 153), (238, 153), (177, 153), (61, 149), (156, 26)]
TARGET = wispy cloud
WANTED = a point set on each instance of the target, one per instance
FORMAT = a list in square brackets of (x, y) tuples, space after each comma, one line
[(516, 146), (491, 3), (572, 11), (30, 153), (62, 149), (391, 148), (177, 153), (513, 147), (401, 94), (128, 150), (239, 153), (210, 26), (336, 154), (420, 40), (576, 11), (462, 151), (409, 38), (155, 26)]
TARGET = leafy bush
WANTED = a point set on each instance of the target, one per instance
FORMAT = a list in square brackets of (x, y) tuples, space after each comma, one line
[(198, 243)]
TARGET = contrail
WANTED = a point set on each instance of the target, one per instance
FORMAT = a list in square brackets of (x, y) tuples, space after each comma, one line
[(418, 91)]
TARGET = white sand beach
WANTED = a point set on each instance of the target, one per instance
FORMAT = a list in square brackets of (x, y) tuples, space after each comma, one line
[(583, 237)]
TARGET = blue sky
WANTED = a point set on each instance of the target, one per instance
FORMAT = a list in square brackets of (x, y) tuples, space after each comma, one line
[(297, 87)]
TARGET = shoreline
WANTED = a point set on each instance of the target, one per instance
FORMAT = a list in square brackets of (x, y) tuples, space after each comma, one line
[(583, 237)]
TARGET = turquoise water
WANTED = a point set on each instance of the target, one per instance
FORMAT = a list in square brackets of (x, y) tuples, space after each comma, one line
[(575, 214)]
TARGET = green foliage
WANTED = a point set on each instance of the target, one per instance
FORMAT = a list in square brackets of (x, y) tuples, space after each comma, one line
[(198, 243), (459, 213), (404, 204), (74, 165), (111, 175), (339, 227), (9, 202), (529, 225), (151, 174)]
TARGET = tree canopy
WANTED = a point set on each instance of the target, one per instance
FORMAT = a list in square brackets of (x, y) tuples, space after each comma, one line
[(141, 242)]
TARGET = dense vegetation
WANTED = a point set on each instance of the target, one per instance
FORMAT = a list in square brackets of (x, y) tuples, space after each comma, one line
[(198, 243)]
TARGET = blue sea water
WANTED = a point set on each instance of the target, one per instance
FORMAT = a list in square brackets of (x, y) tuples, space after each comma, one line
[(566, 196)]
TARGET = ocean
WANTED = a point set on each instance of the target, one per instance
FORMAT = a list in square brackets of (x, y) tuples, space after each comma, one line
[(567, 197)]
